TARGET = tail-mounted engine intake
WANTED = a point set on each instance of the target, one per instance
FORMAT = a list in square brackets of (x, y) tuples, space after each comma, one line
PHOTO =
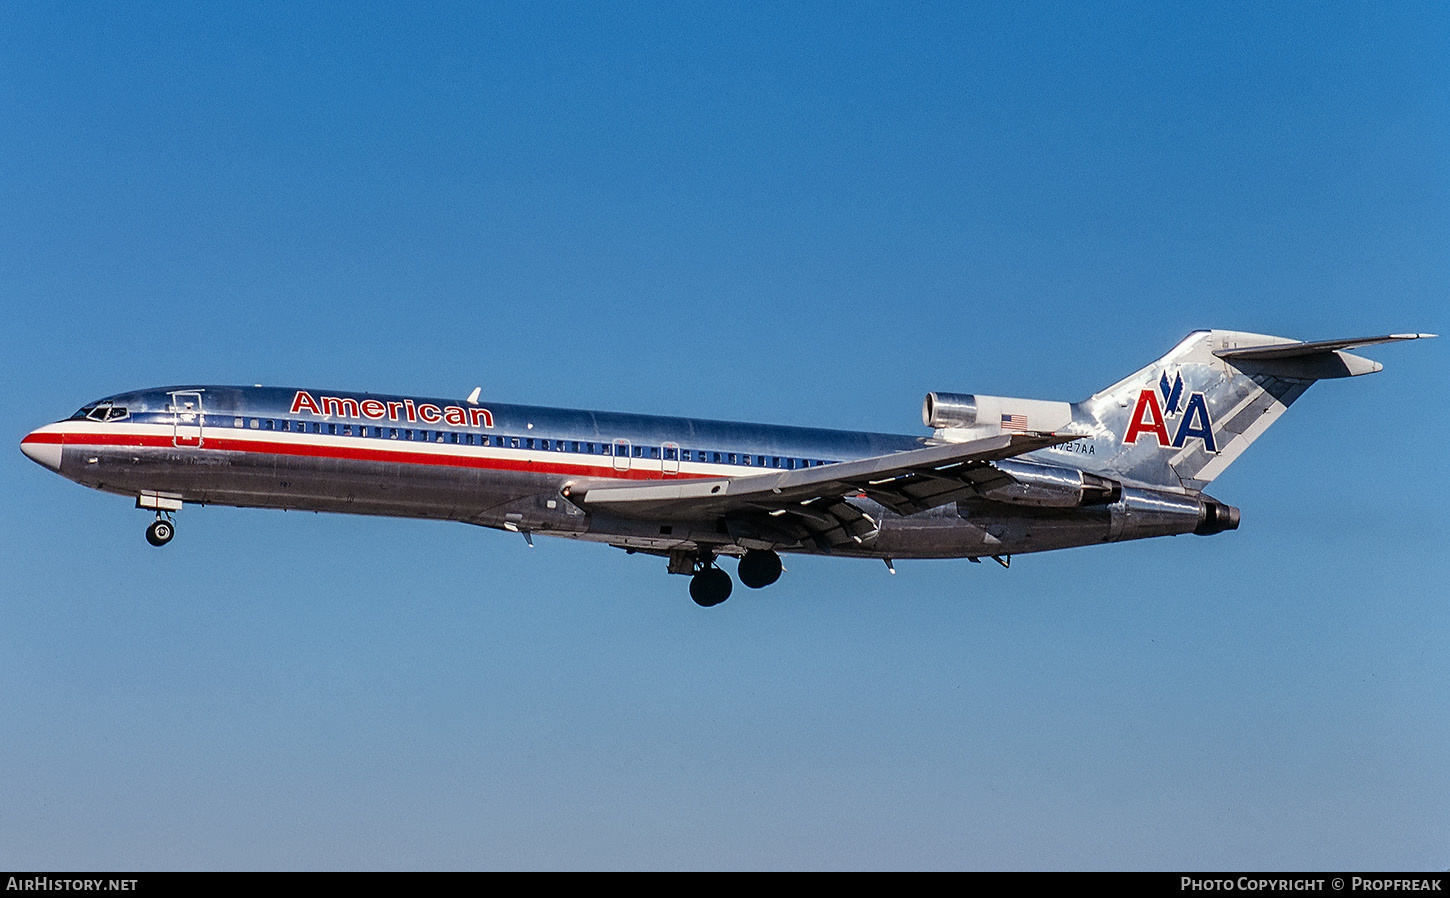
[(958, 416), (942, 410)]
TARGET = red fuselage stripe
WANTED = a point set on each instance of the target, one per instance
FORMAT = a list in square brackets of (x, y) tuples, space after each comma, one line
[(310, 450)]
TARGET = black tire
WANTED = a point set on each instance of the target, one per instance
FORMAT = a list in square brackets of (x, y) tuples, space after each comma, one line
[(759, 569), (710, 587), (160, 533)]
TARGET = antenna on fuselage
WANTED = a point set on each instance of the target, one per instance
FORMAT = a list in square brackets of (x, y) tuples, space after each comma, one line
[(473, 397)]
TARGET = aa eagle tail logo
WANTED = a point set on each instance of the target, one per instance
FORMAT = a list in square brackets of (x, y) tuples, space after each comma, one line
[(1151, 416)]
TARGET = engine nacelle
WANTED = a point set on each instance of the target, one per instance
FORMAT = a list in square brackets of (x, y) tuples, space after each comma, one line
[(1215, 517), (941, 410), (968, 416), (1046, 486), (1143, 513)]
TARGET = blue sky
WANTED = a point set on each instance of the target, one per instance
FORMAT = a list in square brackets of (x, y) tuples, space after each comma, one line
[(810, 215)]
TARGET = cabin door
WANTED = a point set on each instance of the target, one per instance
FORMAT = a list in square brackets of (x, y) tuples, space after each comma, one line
[(186, 407)]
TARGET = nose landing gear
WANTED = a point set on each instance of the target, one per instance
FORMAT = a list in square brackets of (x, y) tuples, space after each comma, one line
[(161, 531)]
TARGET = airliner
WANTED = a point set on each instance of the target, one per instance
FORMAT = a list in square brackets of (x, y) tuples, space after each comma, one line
[(996, 477)]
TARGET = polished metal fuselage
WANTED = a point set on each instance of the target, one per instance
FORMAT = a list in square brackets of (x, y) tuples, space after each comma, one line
[(1128, 462), (511, 467)]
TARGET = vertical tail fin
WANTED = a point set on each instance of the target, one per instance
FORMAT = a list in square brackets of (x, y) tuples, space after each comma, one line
[(1179, 422)]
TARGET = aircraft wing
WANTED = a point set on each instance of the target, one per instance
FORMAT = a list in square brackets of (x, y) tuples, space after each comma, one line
[(810, 503)]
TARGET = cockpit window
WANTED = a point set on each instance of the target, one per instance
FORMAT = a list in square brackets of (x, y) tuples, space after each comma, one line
[(101, 411)]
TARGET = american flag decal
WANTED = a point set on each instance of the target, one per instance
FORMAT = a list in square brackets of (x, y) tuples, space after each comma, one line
[(1016, 423)]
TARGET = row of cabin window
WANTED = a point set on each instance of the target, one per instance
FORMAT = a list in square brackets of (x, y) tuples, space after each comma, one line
[(668, 453)]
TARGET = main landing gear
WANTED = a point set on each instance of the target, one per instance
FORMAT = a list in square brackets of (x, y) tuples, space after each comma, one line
[(759, 568), (710, 585), (161, 531)]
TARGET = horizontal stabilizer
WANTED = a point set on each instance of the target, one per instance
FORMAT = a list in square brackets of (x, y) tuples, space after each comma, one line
[(1309, 361), (1294, 350)]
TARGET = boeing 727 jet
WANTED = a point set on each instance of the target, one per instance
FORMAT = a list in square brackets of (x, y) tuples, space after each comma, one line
[(996, 477)]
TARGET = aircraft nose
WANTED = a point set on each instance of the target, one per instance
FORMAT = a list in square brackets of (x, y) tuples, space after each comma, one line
[(43, 448)]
